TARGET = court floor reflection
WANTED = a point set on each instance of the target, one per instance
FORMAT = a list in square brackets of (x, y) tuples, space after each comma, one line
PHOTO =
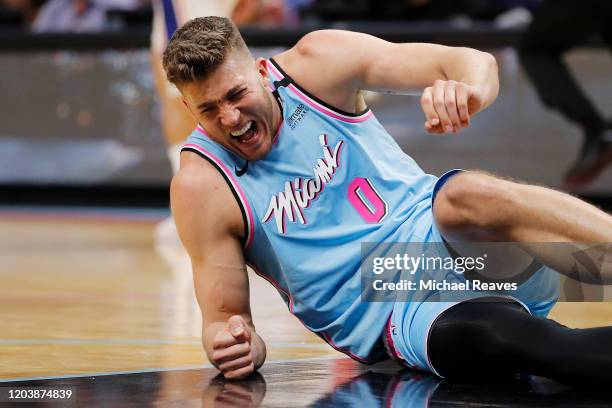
[(314, 383)]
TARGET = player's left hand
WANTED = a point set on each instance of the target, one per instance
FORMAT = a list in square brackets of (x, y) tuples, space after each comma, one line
[(448, 106)]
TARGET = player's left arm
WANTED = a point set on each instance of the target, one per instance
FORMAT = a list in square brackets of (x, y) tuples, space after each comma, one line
[(455, 82)]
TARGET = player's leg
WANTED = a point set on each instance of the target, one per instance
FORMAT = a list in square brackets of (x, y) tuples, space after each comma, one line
[(474, 206), (542, 47), (177, 122), (484, 339), (541, 51)]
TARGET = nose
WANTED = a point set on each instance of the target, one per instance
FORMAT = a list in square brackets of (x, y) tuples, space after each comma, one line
[(229, 116)]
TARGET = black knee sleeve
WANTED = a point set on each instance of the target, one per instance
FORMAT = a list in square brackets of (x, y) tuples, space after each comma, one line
[(500, 338), (466, 340)]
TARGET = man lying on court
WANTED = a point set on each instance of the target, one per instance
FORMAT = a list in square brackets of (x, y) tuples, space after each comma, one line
[(289, 172)]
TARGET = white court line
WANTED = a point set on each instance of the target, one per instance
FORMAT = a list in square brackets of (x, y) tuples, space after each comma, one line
[(138, 342), (63, 211), (122, 342), (109, 342), (152, 370)]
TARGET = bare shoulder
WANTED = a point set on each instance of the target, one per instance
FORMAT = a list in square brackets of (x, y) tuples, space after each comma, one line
[(196, 179), (329, 65), (316, 47), (322, 40), (327, 42), (201, 197)]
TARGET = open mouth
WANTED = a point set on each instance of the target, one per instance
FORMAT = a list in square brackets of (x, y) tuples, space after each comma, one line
[(247, 133)]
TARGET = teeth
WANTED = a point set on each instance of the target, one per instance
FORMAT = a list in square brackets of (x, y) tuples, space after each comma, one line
[(242, 131)]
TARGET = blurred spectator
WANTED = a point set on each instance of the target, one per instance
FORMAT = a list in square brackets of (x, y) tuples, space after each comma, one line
[(293, 9), (68, 15), (557, 26), (22, 11), (411, 10), (78, 15), (9, 17)]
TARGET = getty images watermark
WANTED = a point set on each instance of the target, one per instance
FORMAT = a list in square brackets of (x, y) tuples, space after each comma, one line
[(453, 272)]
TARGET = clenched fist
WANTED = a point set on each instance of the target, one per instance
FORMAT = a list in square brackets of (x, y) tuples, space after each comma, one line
[(232, 353), (448, 106)]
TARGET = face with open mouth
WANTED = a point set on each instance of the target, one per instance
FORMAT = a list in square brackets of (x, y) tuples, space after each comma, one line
[(235, 107)]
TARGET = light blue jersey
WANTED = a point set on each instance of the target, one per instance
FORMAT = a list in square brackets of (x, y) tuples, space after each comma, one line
[(331, 181)]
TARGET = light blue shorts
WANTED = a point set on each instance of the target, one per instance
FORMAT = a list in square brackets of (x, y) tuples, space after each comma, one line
[(407, 331)]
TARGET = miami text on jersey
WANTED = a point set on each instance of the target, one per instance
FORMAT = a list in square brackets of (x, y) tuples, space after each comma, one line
[(299, 194)]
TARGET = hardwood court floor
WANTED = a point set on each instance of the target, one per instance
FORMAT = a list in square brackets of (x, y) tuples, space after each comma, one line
[(88, 292)]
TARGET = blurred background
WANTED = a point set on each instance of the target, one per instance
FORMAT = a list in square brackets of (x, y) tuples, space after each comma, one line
[(81, 118)]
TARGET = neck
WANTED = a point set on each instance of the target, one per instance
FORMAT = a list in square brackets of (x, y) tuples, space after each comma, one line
[(277, 114)]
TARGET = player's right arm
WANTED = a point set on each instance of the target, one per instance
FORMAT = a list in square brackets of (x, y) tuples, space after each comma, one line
[(211, 228)]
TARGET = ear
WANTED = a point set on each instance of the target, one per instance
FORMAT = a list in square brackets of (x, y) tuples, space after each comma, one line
[(262, 69)]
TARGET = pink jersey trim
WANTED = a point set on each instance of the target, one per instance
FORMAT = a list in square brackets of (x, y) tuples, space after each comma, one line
[(325, 336), (348, 119), (389, 341), (280, 127), (348, 353), (201, 129), (278, 76), (336, 115), (275, 71), (237, 187)]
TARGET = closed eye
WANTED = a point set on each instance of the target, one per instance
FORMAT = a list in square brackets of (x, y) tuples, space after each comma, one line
[(232, 95), (236, 95)]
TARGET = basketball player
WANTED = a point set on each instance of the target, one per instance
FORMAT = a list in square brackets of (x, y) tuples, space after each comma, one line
[(176, 121), (289, 172)]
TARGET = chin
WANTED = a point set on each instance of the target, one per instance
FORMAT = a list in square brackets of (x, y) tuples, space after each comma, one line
[(260, 152), (258, 155)]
